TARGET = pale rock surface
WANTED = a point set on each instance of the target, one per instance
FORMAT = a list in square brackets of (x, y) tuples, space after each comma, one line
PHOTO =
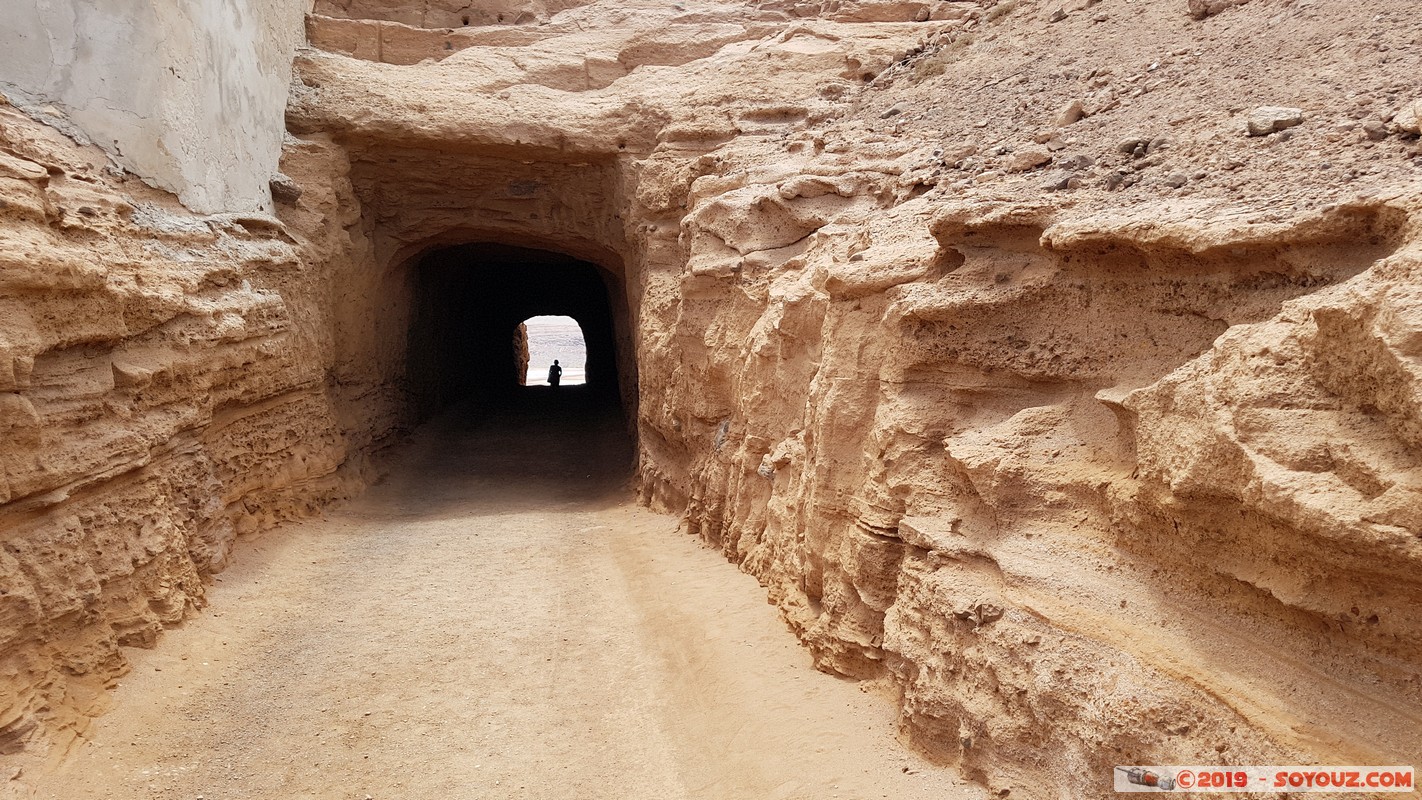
[(1271, 119), (1028, 158), (187, 95)]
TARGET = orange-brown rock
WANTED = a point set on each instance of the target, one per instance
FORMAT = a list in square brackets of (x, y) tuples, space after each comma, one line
[(162, 388)]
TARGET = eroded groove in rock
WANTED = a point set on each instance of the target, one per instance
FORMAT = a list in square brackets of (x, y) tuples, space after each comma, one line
[(1023, 368)]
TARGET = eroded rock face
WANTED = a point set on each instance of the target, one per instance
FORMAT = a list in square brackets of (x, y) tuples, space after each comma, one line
[(187, 96), (162, 389), (1030, 384)]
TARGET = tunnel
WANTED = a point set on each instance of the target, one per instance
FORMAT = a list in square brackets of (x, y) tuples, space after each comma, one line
[(468, 303)]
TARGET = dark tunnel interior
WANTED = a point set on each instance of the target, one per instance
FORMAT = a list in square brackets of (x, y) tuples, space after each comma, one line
[(468, 303)]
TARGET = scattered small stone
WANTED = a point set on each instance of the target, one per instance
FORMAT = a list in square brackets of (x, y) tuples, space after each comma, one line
[(1176, 180), (1375, 130), (1200, 9), (1031, 158), (1058, 15), (1270, 119), (284, 189), (1115, 180), (1408, 119), (1071, 113), (1159, 143), (894, 110), (1078, 162), (1131, 144)]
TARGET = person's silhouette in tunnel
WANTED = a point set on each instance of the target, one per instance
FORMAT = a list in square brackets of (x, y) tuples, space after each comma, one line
[(555, 373)]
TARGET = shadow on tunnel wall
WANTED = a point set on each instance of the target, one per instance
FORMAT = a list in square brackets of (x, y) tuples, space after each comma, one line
[(469, 301)]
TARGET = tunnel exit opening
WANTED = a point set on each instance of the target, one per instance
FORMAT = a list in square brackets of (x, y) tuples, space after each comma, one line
[(551, 351), (472, 301)]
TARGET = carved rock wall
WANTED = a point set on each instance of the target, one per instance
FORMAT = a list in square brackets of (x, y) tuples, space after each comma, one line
[(1095, 453), (163, 388)]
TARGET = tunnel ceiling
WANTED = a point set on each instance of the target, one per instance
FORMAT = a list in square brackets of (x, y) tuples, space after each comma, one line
[(416, 197)]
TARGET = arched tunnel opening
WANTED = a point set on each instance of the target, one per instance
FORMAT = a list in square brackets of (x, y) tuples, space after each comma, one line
[(549, 344), (467, 350)]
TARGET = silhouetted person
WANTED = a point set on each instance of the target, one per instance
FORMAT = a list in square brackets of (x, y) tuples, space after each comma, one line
[(555, 373)]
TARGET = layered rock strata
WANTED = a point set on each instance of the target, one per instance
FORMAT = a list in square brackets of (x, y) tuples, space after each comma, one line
[(164, 386)]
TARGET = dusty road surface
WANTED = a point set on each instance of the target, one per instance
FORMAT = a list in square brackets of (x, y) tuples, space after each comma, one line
[(497, 619)]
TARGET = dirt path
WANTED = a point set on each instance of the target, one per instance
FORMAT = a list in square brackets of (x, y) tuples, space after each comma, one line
[(495, 620)]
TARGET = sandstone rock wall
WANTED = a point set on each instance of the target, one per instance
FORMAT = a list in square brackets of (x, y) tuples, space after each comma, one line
[(1035, 491), (1065, 408), (187, 95), (163, 388)]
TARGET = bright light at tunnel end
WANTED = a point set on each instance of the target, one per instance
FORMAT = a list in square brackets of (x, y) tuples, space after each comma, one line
[(553, 337)]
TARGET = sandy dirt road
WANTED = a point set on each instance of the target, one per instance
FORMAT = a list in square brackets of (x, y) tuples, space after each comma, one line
[(497, 619)]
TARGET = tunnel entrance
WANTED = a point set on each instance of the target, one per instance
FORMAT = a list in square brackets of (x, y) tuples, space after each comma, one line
[(551, 340), (470, 305)]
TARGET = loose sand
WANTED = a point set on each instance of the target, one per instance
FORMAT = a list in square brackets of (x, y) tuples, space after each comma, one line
[(497, 619)]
